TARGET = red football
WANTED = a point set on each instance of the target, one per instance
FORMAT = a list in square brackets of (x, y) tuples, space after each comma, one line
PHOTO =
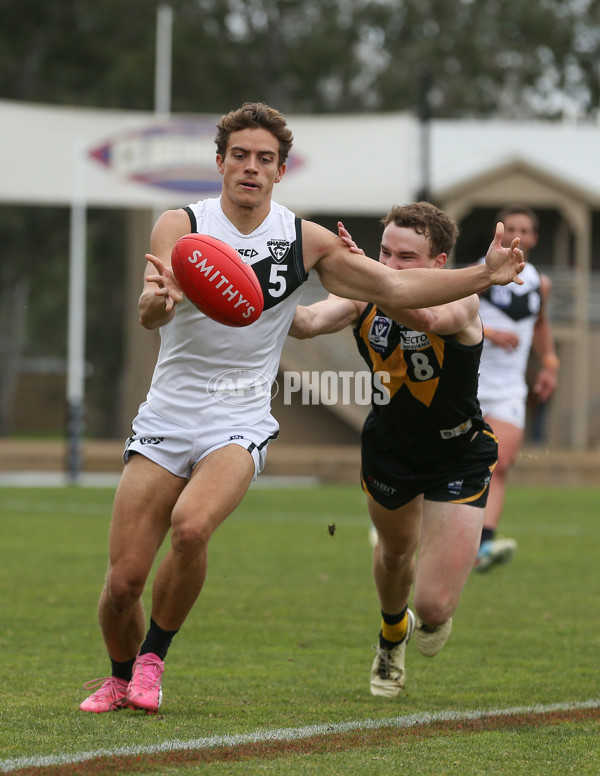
[(215, 279)]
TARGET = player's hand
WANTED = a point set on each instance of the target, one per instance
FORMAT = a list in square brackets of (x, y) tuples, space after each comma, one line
[(504, 264), (346, 238), (504, 339), (545, 384), (168, 287)]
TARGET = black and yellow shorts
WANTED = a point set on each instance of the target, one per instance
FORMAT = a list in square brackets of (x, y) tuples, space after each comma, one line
[(392, 480)]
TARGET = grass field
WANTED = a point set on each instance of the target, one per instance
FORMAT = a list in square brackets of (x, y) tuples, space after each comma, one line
[(281, 641)]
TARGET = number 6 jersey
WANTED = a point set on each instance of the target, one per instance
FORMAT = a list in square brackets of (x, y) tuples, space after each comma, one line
[(208, 373)]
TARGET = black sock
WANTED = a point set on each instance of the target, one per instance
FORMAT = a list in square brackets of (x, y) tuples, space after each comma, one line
[(122, 670), (157, 640), (487, 534)]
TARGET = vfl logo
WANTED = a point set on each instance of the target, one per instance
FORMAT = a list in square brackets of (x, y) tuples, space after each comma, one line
[(278, 249), (378, 336)]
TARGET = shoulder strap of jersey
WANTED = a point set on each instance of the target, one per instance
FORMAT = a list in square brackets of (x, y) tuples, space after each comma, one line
[(298, 258), (363, 315), (192, 217)]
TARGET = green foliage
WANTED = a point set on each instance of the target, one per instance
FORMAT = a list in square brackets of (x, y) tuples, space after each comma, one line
[(488, 57), (281, 637)]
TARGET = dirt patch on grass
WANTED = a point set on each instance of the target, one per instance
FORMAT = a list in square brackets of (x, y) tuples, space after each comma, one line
[(321, 744)]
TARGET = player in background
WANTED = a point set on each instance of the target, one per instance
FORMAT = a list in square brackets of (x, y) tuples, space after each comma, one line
[(427, 454), (514, 317), (191, 458)]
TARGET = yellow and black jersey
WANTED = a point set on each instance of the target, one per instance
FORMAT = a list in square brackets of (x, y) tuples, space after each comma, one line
[(424, 403)]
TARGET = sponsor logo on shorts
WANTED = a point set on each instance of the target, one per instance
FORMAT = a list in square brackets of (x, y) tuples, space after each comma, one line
[(455, 487), (236, 436), (382, 487), (151, 440)]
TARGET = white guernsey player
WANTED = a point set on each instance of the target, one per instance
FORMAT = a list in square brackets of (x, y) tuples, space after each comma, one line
[(514, 317), (192, 456)]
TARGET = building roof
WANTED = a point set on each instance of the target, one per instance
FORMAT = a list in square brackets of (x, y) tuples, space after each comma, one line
[(462, 150), (352, 164)]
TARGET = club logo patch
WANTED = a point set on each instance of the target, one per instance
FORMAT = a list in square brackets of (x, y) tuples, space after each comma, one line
[(501, 296), (278, 249)]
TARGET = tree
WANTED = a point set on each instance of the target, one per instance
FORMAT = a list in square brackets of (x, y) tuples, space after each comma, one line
[(489, 57)]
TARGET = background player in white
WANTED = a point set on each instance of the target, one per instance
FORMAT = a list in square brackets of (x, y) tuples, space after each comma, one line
[(188, 462), (426, 453), (514, 318)]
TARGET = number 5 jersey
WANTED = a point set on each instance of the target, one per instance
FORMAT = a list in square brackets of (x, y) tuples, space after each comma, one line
[(209, 373)]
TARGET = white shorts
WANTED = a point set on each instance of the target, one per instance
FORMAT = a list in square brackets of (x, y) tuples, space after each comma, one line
[(178, 449), (511, 410)]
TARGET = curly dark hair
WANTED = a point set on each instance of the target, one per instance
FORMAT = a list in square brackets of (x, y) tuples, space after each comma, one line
[(255, 115), (438, 228)]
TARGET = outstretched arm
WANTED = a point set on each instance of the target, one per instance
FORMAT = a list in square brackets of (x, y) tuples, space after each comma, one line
[(459, 318), (326, 317), (357, 277)]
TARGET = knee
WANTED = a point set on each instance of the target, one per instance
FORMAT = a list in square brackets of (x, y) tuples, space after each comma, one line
[(395, 557), (434, 612), (503, 467), (189, 534), (124, 586)]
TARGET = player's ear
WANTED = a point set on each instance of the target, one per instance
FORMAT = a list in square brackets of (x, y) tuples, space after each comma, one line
[(220, 164), (440, 260), (280, 172)]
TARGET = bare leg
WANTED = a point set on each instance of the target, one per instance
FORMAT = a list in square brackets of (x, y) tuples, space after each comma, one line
[(449, 542), (510, 439), (394, 569), (394, 553), (141, 518), (217, 486)]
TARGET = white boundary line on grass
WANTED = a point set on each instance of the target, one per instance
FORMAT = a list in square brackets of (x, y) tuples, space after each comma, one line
[(290, 734)]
